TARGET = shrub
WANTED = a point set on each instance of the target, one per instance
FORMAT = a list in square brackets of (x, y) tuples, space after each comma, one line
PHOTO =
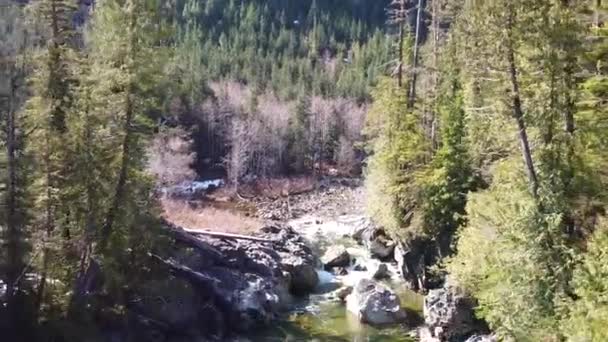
[(589, 313)]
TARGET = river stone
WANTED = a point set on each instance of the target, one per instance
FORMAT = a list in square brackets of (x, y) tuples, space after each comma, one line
[(359, 230), (296, 258), (343, 292), (341, 271), (482, 338), (449, 314), (375, 304), (381, 272), (360, 268), (375, 239), (304, 277), (381, 248), (336, 256)]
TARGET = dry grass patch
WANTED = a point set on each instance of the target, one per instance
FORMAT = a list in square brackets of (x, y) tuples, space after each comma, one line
[(207, 217)]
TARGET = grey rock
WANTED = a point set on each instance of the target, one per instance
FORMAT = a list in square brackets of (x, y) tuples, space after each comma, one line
[(341, 271), (336, 256), (375, 304), (360, 268), (449, 314), (296, 258), (304, 277), (381, 247), (252, 284), (343, 292), (482, 338), (381, 272), (374, 238)]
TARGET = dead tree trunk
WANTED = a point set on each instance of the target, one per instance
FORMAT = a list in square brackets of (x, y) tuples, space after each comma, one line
[(596, 14)]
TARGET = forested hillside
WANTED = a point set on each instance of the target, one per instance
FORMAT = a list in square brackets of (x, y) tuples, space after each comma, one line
[(327, 48), (495, 176), (479, 127)]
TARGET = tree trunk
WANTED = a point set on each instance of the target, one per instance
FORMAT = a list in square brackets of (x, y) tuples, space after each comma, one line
[(435, 25), (517, 105), (49, 227), (570, 102), (596, 14), (15, 262), (119, 190), (86, 265), (412, 94), (400, 65)]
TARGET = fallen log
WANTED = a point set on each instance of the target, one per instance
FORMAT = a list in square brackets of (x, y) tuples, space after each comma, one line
[(189, 239), (182, 271), (207, 286), (230, 236)]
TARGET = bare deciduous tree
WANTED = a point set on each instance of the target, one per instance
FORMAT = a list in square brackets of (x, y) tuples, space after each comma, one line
[(171, 157), (240, 152)]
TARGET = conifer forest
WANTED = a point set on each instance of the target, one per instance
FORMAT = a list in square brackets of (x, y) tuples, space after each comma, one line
[(304, 170)]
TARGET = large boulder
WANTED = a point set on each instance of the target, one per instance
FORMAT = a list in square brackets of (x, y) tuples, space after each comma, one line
[(375, 239), (412, 263), (381, 247), (360, 228), (375, 304), (449, 315), (336, 256), (222, 286), (303, 275), (296, 258)]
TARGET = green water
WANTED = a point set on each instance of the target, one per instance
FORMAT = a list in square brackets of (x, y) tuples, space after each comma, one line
[(331, 322), (321, 320)]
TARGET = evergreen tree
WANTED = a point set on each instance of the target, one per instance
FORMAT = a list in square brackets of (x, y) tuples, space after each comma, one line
[(449, 179), (398, 152), (300, 135), (53, 84), (15, 40)]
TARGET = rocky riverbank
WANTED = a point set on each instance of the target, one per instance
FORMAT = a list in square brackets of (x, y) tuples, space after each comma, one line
[(317, 250)]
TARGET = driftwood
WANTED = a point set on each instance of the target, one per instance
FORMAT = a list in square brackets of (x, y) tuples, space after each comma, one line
[(227, 235)]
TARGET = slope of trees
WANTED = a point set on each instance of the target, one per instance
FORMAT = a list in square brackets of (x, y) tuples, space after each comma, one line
[(276, 54), (327, 47), (508, 199), (76, 125)]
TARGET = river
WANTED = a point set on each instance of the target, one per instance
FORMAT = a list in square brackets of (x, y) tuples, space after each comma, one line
[(320, 317)]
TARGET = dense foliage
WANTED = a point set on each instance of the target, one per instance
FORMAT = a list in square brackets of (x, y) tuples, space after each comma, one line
[(484, 123), (76, 126), (508, 199), (331, 48)]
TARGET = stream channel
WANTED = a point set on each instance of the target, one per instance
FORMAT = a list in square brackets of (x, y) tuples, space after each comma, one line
[(319, 317)]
